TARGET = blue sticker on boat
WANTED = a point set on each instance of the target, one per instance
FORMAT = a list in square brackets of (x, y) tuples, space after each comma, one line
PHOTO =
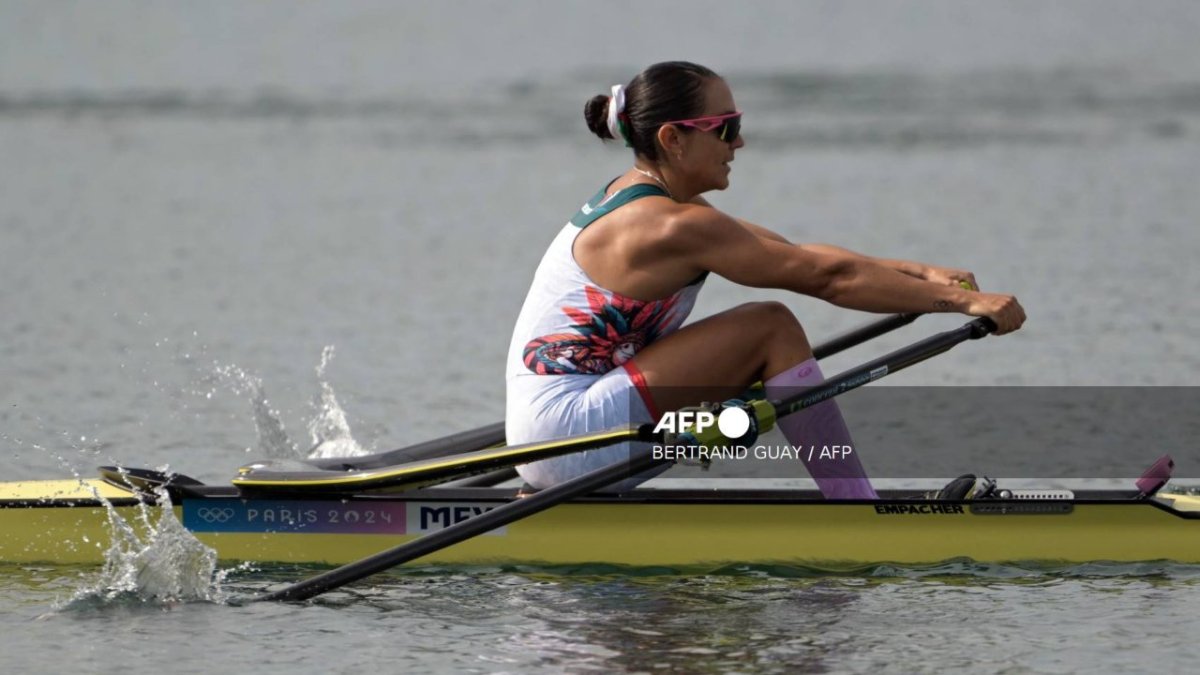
[(281, 515)]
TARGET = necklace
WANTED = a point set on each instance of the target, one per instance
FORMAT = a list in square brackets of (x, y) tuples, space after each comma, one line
[(656, 179)]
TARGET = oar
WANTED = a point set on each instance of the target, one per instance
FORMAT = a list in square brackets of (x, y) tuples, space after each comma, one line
[(260, 480), (884, 365), (857, 336), (834, 345), (640, 461), (491, 435), (264, 478)]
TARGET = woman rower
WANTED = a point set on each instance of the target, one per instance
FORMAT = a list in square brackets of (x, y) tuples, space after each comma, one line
[(598, 342)]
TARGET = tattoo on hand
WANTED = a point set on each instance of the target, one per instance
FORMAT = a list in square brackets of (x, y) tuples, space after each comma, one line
[(942, 305)]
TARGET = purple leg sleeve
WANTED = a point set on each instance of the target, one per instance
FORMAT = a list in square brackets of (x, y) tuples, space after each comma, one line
[(838, 475)]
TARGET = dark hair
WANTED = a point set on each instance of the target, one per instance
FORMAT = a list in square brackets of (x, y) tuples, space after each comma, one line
[(673, 90)]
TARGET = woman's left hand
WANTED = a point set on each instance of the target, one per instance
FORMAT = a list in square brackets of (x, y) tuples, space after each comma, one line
[(950, 277)]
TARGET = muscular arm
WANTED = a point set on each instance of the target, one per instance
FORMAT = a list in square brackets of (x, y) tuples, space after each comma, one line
[(707, 239), (909, 267), (912, 269)]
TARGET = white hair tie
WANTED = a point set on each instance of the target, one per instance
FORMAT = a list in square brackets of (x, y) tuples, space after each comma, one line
[(616, 106)]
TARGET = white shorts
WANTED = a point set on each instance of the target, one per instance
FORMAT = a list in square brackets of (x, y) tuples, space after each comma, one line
[(543, 407)]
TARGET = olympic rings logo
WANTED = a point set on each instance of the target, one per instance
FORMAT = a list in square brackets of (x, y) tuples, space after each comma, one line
[(214, 514)]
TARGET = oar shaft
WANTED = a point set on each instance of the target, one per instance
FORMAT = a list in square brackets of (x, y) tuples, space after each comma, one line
[(502, 515), (884, 365), (857, 336)]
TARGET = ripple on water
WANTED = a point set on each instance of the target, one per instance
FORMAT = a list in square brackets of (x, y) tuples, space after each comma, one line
[(753, 618)]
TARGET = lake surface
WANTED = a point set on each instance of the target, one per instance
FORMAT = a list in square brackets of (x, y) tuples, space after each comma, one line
[(224, 226)]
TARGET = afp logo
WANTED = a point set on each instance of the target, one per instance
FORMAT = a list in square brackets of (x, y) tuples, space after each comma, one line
[(732, 422)]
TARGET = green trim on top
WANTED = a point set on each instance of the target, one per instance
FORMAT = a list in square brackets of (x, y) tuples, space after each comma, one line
[(597, 207)]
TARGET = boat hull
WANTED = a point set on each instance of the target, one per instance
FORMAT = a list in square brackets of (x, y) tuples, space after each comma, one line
[(668, 528)]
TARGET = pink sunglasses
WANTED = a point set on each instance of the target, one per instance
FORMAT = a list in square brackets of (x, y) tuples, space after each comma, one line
[(727, 126)]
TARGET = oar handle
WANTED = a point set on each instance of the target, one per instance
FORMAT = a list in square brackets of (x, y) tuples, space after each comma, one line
[(982, 327)]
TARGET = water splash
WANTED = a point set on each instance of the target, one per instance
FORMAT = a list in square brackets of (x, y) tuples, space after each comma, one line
[(153, 559), (273, 439), (330, 430)]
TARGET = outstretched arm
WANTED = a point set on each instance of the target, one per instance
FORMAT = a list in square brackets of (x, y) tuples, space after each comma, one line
[(709, 240), (939, 275), (946, 276)]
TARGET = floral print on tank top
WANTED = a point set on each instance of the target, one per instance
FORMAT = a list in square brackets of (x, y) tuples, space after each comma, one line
[(606, 334)]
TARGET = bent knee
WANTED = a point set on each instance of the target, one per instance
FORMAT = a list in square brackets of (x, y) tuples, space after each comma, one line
[(771, 313), (772, 321)]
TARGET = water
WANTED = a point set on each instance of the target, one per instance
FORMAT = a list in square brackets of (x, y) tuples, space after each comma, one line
[(152, 559), (232, 189), (956, 616)]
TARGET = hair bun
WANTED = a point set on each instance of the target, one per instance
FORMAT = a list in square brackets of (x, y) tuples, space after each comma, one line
[(595, 113)]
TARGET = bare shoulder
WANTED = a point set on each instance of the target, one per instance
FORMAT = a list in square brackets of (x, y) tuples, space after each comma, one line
[(691, 227)]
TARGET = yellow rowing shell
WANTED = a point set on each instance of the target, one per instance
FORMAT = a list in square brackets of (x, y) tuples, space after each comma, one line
[(66, 522)]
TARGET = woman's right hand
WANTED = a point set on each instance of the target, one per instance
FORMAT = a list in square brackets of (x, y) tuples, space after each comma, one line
[(999, 307)]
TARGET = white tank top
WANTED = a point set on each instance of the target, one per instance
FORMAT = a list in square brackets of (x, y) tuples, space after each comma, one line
[(571, 327)]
